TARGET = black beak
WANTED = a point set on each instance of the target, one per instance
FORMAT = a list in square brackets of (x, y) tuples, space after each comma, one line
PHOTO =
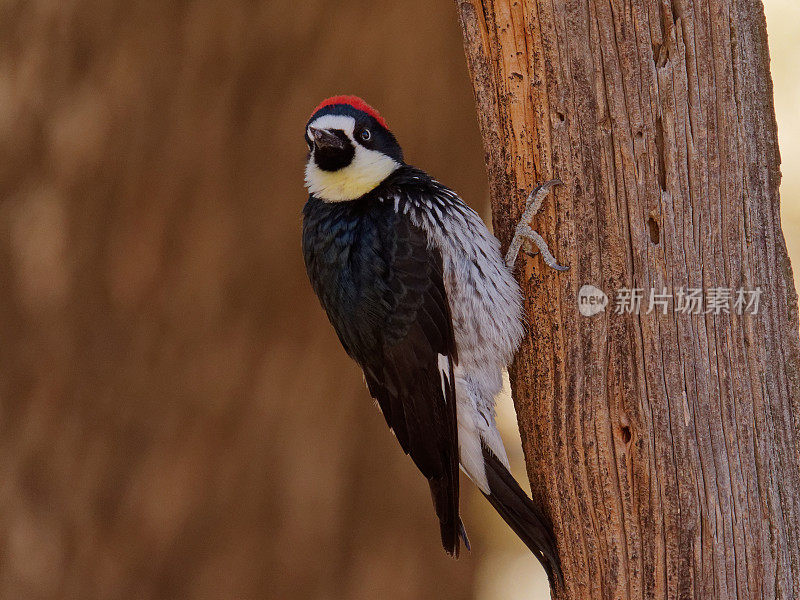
[(323, 138)]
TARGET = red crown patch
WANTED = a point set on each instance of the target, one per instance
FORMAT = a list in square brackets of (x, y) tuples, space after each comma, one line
[(356, 103)]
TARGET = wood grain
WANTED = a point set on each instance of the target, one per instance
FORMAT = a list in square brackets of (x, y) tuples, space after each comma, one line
[(665, 446)]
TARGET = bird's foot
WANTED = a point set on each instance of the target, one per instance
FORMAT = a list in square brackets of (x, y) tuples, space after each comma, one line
[(524, 235)]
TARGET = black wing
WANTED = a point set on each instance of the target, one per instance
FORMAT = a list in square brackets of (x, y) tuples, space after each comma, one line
[(412, 376), (382, 287)]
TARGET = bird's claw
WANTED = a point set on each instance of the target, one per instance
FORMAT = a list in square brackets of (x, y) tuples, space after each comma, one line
[(524, 233)]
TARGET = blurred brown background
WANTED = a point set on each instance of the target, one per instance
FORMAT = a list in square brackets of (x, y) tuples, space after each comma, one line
[(177, 419)]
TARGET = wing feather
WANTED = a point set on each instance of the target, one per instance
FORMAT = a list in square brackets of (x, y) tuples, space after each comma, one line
[(381, 283), (405, 376)]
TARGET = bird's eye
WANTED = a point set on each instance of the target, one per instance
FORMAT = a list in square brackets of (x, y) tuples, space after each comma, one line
[(366, 135)]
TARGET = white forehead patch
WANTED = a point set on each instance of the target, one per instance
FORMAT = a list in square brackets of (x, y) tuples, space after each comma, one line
[(343, 122), (364, 173)]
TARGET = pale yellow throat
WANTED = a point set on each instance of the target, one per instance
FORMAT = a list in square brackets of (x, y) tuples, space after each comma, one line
[(366, 171)]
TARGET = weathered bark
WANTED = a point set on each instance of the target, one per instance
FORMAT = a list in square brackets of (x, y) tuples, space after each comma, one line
[(665, 447)]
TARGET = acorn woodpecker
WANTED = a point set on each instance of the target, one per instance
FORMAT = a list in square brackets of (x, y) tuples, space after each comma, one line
[(416, 289)]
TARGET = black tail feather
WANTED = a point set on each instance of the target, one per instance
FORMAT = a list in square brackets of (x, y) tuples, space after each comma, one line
[(463, 534), (522, 515), (449, 520)]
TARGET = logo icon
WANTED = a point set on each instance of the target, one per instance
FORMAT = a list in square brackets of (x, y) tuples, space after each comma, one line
[(591, 300)]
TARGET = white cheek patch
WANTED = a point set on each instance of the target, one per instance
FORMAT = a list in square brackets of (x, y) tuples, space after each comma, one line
[(364, 173)]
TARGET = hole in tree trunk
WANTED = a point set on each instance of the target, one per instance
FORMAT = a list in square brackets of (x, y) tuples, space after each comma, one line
[(626, 434), (652, 227)]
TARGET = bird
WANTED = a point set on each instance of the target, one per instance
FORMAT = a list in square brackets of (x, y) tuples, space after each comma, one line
[(420, 297)]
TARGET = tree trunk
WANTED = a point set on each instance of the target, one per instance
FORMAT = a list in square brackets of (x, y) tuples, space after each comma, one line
[(665, 446)]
